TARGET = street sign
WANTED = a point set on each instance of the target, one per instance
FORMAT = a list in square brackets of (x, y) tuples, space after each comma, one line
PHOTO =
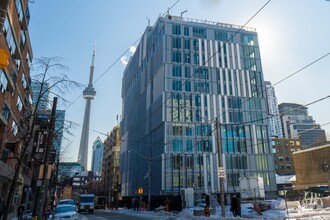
[(140, 190), (221, 172), (40, 144)]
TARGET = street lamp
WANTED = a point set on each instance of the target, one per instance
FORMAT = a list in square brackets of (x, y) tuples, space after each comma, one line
[(183, 13)]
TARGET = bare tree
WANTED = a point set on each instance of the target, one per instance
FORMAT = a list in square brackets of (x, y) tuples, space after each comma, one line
[(50, 72)]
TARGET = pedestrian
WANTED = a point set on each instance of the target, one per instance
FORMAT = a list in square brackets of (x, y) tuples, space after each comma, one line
[(238, 211), (234, 205), (133, 203), (207, 200), (2, 206), (137, 204)]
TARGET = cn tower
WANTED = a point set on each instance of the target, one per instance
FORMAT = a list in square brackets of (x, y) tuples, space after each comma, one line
[(89, 94)]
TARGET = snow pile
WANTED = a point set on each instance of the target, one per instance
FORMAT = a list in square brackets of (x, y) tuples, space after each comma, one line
[(278, 204)]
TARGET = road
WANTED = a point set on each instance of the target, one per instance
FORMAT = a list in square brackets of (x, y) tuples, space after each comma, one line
[(101, 214)]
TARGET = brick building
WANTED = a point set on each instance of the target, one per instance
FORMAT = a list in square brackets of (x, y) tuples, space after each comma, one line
[(282, 150), (15, 98), (312, 167)]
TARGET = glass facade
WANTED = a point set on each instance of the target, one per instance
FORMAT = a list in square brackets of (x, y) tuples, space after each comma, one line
[(188, 82)]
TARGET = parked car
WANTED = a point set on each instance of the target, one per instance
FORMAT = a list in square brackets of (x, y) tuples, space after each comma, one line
[(67, 202), (66, 211)]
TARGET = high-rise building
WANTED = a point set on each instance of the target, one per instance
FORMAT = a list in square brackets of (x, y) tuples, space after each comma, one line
[(274, 115), (185, 74), (97, 155), (15, 100), (58, 132), (44, 96), (296, 123), (89, 94), (44, 113)]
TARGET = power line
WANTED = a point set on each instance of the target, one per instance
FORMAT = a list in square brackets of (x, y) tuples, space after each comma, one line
[(173, 93), (118, 59)]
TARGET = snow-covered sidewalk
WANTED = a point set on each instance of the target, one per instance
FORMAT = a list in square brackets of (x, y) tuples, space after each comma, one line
[(247, 213)]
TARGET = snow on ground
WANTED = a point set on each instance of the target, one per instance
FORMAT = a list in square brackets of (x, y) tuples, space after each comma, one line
[(247, 213)]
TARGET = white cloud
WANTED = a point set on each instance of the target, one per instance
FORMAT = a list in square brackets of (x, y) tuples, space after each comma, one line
[(132, 49), (124, 60)]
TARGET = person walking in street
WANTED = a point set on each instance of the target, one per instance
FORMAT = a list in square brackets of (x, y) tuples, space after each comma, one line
[(234, 205), (238, 211)]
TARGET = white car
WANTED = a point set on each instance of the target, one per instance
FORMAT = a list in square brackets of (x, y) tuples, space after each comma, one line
[(68, 202), (67, 212)]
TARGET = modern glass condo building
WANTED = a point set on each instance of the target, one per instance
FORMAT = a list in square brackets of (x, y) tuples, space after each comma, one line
[(184, 74)]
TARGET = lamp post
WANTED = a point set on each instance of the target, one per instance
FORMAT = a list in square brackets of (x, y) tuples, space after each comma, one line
[(286, 204), (183, 13)]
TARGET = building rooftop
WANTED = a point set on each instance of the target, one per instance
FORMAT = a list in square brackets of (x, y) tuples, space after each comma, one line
[(178, 18), (313, 149)]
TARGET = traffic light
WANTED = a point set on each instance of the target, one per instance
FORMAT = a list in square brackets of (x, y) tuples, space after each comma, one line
[(3, 58)]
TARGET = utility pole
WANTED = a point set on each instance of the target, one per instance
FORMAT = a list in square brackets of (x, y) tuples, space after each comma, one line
[(223, 211), (39, 206), (326, 169)]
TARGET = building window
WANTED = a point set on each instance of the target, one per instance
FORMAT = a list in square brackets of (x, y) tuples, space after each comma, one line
[(176, 42), (14, 128), (187, 86), (176, 71), (176, 56), (3, 81), (187, 57), (288, 166), (202, 87), (187, 71), (176, 85), (196, 58), (189, 146), (195, 45), (177, 130), (24, 82), (19, 103), (177, 145), (187, 44), (189, 131), (27, 14), (280, 158), (5, 111), (186, 31), (19, 10), (247, 39), (9, 36), (199, 32), (176, 29), (22, 42), (220, 35)]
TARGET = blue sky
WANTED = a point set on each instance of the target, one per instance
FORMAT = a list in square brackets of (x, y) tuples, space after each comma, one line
[(291, 35)]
